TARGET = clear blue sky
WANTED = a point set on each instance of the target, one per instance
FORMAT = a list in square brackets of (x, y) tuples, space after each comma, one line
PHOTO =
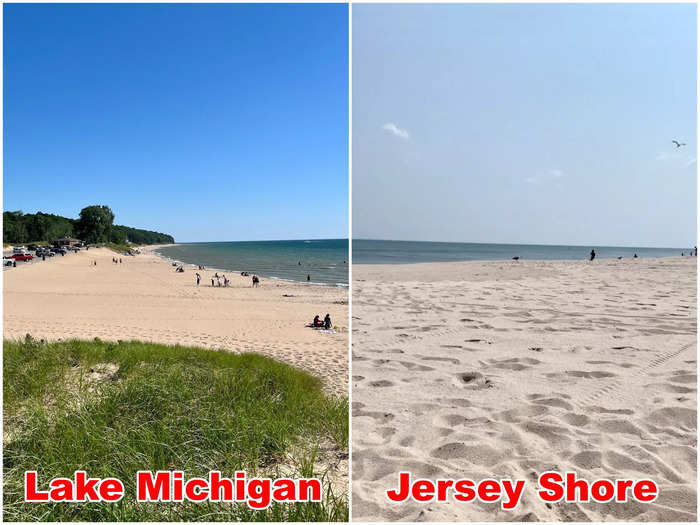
[(525, 123), (209, 122)]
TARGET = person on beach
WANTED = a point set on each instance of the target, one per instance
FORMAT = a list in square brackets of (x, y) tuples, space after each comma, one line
[(327, 322), (120, 260), (592, 254), (212, 282), (635, 255), (198, 278), (308, 278), (256, 281), (317, 322)]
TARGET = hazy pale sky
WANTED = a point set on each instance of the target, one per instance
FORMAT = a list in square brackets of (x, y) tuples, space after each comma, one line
[(525, 123)]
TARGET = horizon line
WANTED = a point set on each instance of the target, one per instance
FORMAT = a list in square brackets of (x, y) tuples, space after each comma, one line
[(524, 244), (270, 240)]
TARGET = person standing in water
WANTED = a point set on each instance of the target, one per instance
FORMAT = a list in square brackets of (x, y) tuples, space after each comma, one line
[(592, 254), (308, 278)]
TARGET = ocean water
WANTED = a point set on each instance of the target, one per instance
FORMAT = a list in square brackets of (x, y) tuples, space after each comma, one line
[(326, 261), (401, 252)]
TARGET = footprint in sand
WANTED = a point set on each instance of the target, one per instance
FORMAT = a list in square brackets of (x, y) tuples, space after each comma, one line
[(596, 374), (515, 363), (415, 367), (473, 380), (381, 383), (452, 360)]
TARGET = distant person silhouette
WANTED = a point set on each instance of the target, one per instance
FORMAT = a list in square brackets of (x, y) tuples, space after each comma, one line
[(308, 278), (592, 254)]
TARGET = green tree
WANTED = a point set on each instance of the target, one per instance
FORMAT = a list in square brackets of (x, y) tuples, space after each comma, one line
[(118, 235), (95, 223)]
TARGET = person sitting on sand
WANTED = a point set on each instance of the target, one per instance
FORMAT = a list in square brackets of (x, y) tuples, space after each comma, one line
[(327, 322), (317, 322), (592, 254)]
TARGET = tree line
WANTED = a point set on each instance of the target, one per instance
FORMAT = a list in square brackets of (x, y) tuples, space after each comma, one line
[(95, 224)]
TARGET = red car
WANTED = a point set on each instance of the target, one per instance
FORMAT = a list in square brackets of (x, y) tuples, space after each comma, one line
[(22, 257)]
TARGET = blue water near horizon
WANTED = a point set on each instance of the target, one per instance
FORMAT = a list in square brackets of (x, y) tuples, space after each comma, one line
[(366, 251), (324, 260)]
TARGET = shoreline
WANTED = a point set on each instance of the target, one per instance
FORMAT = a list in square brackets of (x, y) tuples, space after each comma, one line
[(276, 278), (521, 261)]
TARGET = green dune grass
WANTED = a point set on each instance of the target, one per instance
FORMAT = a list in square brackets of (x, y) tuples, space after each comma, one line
[(115, 408)]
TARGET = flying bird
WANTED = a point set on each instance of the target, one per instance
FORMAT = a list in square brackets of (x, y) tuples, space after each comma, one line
[(678, 144)]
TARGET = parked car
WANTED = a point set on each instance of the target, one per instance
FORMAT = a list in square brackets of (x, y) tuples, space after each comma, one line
[(18, 249), (22, 257)]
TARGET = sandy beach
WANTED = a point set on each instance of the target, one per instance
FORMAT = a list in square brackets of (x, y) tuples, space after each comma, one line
[(145, 299), (509, 369)]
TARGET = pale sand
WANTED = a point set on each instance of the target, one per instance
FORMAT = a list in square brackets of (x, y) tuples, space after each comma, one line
[(145, 299), (509, 369)]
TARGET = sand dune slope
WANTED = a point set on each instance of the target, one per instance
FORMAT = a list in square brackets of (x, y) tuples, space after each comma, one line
[(500, 369), (144, 299)]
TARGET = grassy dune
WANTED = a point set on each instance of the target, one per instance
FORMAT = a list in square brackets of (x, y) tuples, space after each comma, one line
[(115, 408)]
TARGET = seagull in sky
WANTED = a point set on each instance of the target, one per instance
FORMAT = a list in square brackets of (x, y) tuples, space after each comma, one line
[(678, 144)]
